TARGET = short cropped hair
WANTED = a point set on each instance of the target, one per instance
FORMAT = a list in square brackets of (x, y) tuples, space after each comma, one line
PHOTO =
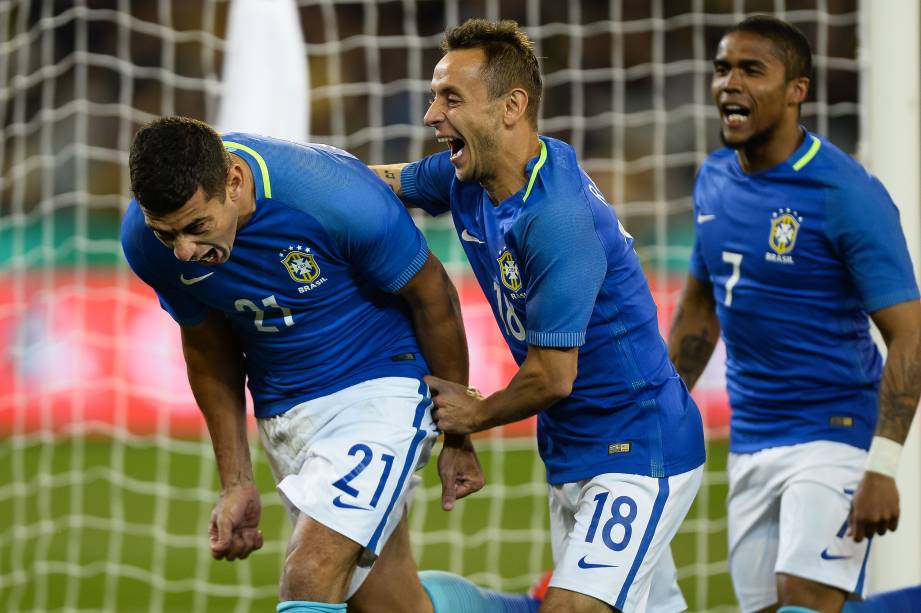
[(510, 60), (791, 44), (170, 158)]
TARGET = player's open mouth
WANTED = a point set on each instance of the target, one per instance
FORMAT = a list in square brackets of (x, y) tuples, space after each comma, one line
[(456, 144), (212, 257), (734, 115)]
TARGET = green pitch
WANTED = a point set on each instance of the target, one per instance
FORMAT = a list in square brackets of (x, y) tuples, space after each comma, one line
[(97, 525)]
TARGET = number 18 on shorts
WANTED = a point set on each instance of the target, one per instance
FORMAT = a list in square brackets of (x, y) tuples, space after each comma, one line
[(611, 535)]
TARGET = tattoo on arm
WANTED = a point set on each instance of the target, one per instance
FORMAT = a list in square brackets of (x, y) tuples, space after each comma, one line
[(898, 395), (390, 174), (693, 354), (694, 348)]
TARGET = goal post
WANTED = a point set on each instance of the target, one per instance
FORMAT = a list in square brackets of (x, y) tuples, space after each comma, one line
[(890, 36)]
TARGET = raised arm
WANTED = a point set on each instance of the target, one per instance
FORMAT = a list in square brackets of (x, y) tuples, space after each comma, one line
[(876, 502), (390, 174), (436, 316), (214, 362), (695, 330)]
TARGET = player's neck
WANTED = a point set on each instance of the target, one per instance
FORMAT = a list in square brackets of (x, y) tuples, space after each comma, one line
[(773, 151), (246, 205), (510, 174)]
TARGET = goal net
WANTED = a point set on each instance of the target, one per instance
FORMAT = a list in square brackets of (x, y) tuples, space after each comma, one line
[(107, 478)]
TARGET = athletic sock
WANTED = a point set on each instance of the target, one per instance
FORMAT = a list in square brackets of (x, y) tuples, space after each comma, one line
[(795, 609), (452, 593), (305, 606), (895, 601)]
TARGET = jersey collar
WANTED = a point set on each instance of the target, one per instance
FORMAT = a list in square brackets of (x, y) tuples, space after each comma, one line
[(257, 166), (533, 167)]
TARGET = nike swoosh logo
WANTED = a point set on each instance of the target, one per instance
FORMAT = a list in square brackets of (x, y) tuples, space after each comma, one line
[(194, 280), (584, 564), (828, 556), (705, 218), (337, 502), (470, 238)]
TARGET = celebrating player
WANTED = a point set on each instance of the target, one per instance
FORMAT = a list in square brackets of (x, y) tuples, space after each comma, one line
[(292, 266), (796, 244), (621, 437)]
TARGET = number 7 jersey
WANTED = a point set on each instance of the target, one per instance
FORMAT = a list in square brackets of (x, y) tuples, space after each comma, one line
[(308, 288), (560, 271), (798, 255)]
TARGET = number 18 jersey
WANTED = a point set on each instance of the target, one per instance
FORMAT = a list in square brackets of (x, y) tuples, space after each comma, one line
[(559, 271), (798, 255)]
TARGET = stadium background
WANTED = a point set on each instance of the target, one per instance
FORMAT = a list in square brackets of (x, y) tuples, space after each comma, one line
[(106, 474)]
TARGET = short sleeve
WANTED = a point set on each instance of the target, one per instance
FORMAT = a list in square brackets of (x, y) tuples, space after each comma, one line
[(565, 264), (376, 233), (697, 266), (136, 239), (863, 224), (426, 184)]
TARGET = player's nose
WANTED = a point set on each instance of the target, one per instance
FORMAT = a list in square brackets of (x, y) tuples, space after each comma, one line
[(732, 81), (433, 116), (184, 249)]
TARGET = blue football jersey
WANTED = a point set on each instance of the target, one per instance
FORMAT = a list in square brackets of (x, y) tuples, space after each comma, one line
[(798, 255), (560, 271), (309, 284)]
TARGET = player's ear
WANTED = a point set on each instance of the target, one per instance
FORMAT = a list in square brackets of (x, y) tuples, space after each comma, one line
[(797, 90), (235, 182), (516, 103)]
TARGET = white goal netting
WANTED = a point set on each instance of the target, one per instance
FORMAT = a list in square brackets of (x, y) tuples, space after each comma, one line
[(106, 475)]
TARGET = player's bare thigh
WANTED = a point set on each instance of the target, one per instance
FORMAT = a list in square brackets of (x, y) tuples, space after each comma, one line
[(559, 600), (393, 585)]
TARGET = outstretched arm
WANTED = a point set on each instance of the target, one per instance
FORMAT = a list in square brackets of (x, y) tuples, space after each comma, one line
[(695, 330), (390, 174), (875, 507), (439, 328), (215, 368)]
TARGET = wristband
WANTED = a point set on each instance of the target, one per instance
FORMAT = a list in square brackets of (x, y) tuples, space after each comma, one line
[(884, 456)]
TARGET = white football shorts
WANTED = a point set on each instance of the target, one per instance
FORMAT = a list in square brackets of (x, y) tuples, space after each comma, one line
[(347, 460), (611, 538), (788, 510)]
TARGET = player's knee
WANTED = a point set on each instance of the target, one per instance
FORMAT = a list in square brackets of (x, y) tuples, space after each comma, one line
[(309, 576), (798, 595)]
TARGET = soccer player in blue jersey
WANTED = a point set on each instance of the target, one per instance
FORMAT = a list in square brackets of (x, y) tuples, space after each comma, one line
[(292, 267), (620, 435), (796, 244)]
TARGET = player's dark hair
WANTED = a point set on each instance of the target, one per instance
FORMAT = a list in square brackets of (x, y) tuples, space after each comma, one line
[(170, 158), (510, 60), (790, 43)]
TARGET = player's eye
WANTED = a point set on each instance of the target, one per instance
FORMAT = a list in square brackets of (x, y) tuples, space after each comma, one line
[(164, 237)]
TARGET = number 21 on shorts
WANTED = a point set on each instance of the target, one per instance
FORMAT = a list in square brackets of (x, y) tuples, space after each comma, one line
[(350, 494)]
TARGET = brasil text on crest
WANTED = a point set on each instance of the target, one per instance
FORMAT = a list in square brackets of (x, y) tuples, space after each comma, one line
[(302, 267)]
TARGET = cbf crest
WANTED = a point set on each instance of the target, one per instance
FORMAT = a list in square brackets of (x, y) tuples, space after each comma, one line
[(508, 271), (301, 266), (784, 226)]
